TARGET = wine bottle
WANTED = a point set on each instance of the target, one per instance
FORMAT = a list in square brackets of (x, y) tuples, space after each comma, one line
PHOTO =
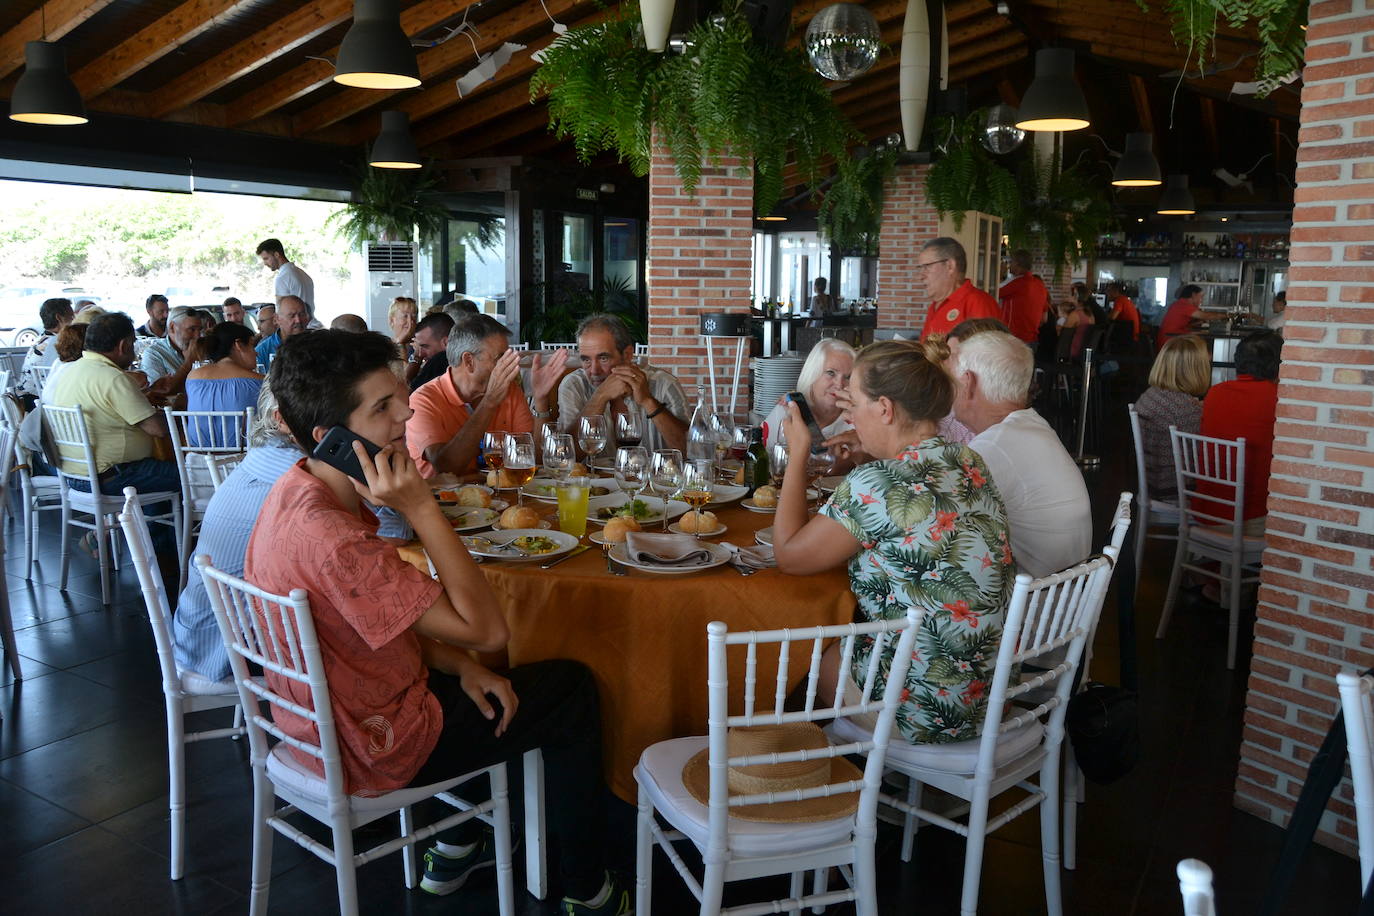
[(755, 461)]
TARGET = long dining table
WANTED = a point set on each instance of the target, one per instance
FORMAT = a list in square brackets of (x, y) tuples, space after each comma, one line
[(643, 635)]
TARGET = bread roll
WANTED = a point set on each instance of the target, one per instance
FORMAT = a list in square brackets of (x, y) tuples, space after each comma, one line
[(579, 470), (519, 517), (766, 496), (500, 480), (474, 496), (739, 475), (493, 478), (618, 527), (692, 525)]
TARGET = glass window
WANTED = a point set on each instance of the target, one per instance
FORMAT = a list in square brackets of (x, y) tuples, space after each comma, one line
[(477, 256), (765, 247), (802, 257), (620, 237), (577, 250)]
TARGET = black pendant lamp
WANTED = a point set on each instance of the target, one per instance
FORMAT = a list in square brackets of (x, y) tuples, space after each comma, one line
[(1176, 200), (1137, 168), (1054, 100), (395, 147), (44, 93), (375, 53)]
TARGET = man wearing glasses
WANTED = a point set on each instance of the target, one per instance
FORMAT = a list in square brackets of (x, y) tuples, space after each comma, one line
[(942, 264)]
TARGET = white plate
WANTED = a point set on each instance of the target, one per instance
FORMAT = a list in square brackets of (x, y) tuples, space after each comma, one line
[(722, 493), (473, 519), (544, 523), (719, 557), (551, 496), (655, 504), (764, 536), (677, 526), (749, 504), (828, 484), (564, 541)]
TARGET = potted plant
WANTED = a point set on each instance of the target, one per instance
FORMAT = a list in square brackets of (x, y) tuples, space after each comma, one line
[(390, 205)]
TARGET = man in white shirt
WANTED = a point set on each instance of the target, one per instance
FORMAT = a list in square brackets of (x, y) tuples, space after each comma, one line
[(1043, 490), (291, 280)]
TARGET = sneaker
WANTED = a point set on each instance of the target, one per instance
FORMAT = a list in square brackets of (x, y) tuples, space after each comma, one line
[(446, 874), (617, 902)]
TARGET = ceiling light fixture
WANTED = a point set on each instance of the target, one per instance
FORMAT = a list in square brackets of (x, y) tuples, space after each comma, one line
[(375, 53), (1137, 167), (1054, 100), (44, 93), (395, 147), (772, 219), (1176, 200)]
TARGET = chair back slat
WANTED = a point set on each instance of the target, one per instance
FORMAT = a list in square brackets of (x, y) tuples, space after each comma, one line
[(548, 345), (204, 432), (1211, 480), (813, 677), (1121, 519), (751, 669), (780, 690), (67, 426), (154, 592), (219, 467), (846, 657)]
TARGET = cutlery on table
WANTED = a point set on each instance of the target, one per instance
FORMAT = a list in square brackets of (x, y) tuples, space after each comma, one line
[(567, 556)]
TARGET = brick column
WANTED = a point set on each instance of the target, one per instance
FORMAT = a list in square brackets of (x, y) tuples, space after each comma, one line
[(700, 259), (909, 221), (1316, 611), (1060, 289)]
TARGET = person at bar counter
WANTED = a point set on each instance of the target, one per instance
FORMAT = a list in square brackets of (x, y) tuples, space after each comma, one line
[(480, 392), (1185, 315), (1025, 300), (396, 642), (892, 521), (1123, 309), (822, 303), (942, 265), (1246, 408), (1180, 377), (610, 383)]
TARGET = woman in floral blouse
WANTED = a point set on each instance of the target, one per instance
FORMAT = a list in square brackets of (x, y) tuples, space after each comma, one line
[(922, 524)]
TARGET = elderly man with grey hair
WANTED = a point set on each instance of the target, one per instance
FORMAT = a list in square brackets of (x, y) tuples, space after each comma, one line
[(942, 265), (229, 519), (610, 384), (1043, 490), (479, 393), (167, 356)]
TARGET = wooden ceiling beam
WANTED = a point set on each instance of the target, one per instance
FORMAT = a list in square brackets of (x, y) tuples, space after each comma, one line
[(1283, 105), (50, 22), (509, 128), (1124, 19), (1209, 126), (1144, 111), (974, 29), (476, 110), (313, 74), (262, 47), (969, 53), (151, 44), (986, 65)]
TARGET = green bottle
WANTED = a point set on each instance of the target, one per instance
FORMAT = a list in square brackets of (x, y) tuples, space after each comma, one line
[(755, 461)]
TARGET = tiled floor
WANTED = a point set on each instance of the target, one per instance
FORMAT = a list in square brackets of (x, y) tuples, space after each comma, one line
[(83, 819)]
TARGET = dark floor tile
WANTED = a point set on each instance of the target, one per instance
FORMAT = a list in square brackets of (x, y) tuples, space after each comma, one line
[(29, 669), (58, 705), (73, 641), (135, 675), (32, 604), (31, 822)]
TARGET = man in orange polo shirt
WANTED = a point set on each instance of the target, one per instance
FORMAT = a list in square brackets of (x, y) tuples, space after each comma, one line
[(1123, 309), (479, 392), (942, 263), (1024, 299)]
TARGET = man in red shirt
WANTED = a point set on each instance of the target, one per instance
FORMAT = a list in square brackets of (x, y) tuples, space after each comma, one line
[(1024, 299), (1123, 309), (1186, 315), (1245, 408), (411, 706), (942, 264)]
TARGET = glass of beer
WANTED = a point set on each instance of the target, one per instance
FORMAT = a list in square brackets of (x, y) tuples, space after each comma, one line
[(697, 476), (520, 464)]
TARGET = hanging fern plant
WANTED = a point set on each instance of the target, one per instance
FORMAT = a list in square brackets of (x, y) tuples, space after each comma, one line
[(728, 95), (964, 176), (851, 210), (394, 205), (1279, 23), (1063, 211)]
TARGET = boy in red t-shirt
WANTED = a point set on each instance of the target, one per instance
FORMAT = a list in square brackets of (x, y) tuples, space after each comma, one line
[(410, 705)]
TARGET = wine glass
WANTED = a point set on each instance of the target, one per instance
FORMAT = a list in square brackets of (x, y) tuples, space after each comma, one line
[(818, 464), (777, 462), (591, 436), (629, 428), (665, 476), (721, 431), (520, 462), (739, 442), (559, 455), (546, 433), (697, 476), (494, 449), (631, 469)]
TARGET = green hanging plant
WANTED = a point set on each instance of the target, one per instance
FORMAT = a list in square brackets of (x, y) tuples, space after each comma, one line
[(1063, 211), (965, 176), (729, 95), (851, 210), (1283, 40), (559, 309), (397, 205)]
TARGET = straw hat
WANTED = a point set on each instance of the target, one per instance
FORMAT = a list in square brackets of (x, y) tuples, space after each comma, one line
[(778, 777)]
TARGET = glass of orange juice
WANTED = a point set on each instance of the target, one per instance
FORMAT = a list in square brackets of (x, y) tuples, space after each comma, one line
[(573, 494)]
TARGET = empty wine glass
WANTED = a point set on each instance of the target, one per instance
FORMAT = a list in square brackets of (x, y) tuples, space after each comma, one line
[(546, 433), (591, 436), (494, 449), (777, 462), (665, 476), (629, 428), (631, 469), (520, 463), (697, 476), (559, 455)]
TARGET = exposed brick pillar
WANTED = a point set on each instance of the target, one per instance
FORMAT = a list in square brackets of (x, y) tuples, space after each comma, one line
[(700, 260), (1060, 289), (909, 221), (1316, 611)]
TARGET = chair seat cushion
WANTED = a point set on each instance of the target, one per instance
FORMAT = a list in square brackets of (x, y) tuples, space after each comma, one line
[(201, 686), (289, 774), (958, 757), (1251, 547), (660, 774)]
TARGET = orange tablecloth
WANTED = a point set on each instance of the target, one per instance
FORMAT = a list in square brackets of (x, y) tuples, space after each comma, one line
[(644, 635)]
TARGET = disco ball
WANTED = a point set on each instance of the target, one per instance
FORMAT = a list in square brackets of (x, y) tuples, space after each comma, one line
[(842, 41), (1000, 133)]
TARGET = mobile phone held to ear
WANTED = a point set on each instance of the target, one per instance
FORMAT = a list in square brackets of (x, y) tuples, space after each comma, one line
[(803, 408), (336, 450)]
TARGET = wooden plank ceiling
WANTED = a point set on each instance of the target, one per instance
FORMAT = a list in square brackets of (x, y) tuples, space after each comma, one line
[(265, 66)]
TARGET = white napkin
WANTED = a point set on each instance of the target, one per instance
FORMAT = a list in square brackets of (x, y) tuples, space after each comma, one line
[(758, 557), (665, 549)]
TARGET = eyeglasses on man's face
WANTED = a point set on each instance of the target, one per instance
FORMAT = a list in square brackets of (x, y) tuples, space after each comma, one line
[(929, 264)]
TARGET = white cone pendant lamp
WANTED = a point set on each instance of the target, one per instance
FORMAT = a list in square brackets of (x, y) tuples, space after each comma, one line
[(395, 147), (1054, 100), (45, 94), (913, 77), (1176, 200), (375, 53), (657, 18), (1137, 167)]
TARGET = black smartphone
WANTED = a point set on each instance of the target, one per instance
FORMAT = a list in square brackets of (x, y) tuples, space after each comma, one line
[(803, 408), (336, 450)]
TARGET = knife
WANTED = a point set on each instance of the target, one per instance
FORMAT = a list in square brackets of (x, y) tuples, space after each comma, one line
[(567, 556)]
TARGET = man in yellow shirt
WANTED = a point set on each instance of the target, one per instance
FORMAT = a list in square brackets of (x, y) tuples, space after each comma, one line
[(119, 419)]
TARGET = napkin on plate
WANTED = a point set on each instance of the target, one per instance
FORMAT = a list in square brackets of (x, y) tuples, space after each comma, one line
[(759, 557), (665, 549)]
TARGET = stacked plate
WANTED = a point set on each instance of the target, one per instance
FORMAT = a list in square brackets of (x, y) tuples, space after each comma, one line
[(774, 377)]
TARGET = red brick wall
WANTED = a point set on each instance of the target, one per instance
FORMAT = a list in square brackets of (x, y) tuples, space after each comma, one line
[(1317, 595), (908, 223), (700, 260)]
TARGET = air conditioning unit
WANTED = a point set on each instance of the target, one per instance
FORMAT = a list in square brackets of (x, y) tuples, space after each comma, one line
[(391, 272)]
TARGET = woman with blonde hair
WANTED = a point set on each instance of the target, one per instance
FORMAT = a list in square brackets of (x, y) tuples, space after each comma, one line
[(1181, 375), (922, 523), (824, 376), (402, 317)]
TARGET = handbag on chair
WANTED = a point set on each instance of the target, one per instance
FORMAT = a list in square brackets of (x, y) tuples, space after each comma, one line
[(1103, 723)]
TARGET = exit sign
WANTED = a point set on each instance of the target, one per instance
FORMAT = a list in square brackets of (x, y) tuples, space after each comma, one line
[(586, 193)]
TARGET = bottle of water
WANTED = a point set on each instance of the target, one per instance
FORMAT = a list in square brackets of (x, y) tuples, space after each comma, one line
[(701, 436)]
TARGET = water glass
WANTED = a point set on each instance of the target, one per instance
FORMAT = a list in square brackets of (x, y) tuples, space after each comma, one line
[(665, 476), (591, 436), (559, 455), (631, 468), (573, 494)]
